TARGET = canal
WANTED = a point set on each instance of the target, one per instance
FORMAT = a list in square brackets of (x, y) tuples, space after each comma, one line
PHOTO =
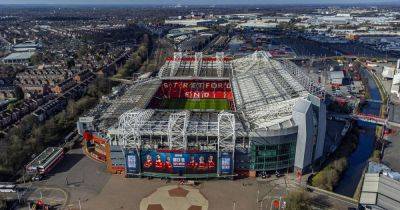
[(359, 158)]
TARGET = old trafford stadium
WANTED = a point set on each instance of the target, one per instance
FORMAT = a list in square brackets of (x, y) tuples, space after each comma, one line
[(210, 117)]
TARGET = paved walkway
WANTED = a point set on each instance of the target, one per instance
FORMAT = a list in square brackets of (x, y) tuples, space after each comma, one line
[(50, 195), (175, 197)]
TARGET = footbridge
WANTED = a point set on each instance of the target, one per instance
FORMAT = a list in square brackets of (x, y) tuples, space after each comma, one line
[(369, 118)]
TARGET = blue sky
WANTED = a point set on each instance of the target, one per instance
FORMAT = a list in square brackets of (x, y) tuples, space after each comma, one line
[(191, 1)]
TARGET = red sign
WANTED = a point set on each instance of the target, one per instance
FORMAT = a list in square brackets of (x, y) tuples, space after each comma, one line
[(87, 135), (193, 59), (196, 89), (276, 203)]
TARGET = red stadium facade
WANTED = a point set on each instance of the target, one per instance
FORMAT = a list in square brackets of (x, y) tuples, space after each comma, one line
[(193, 89)]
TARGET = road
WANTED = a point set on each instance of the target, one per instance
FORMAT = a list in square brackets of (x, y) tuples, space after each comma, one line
[(75, 178), (79, 179)]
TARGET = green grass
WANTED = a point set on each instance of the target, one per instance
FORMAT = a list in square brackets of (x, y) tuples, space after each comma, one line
[(190, 104)]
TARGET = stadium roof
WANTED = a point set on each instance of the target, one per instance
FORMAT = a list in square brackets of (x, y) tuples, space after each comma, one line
[(182, 65), (138, 95), (266, 90)]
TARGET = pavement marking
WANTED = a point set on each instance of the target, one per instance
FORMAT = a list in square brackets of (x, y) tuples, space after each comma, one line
[(58, 189)]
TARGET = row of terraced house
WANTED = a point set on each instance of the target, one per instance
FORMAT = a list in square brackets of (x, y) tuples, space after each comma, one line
[(45, 105)]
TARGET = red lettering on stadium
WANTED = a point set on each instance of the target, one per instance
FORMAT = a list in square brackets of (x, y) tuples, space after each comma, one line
[(192, 59), (196, 89), (209, 86)]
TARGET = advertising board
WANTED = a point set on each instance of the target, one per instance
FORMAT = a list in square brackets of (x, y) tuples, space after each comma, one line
[(176, 162), (132, 162), (225, 163)]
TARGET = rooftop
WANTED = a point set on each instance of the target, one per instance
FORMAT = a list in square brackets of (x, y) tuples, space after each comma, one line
[(266, 89), (380, 190), (137, 95), (182, 65), (45, 157), (19, 56)]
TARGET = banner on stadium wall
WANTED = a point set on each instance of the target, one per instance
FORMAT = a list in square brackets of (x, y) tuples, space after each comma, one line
[(179, 162), (225, 163), (132, 162)]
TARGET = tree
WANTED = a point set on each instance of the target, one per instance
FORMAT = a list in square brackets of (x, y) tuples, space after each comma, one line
[(83, 104), (376, 156), (151, 67), (142, 51), (340, 164), (298, 200), (19, 93), (37, 59), (3, 204), (83, 51), (100, 87), (70, 63), (92, 91), (72, 108), (320, 180), (10, 107)]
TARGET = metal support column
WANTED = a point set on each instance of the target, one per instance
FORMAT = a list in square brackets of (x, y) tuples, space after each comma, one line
[(226, 137)]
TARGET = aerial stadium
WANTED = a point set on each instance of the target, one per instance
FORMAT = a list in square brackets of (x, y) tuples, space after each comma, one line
[(211, 116)]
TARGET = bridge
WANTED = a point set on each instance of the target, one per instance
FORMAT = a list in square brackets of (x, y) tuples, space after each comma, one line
[(373, 101), (369, 118), (317, 58)]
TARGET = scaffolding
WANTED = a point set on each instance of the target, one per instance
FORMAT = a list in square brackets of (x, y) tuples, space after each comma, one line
[(198, 58), (220, 63), (303, 79), (226, 135), (176, 63), (129, 126), (177, 126)]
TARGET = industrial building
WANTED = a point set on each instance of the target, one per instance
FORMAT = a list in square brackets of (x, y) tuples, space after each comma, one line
[(273, 119), (380, 187), (21, 58), (395, 88)]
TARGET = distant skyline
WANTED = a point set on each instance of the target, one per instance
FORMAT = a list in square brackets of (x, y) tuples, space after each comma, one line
[(192, 2)]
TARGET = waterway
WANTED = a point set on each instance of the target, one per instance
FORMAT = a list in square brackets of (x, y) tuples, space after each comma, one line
[(359, 158)]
